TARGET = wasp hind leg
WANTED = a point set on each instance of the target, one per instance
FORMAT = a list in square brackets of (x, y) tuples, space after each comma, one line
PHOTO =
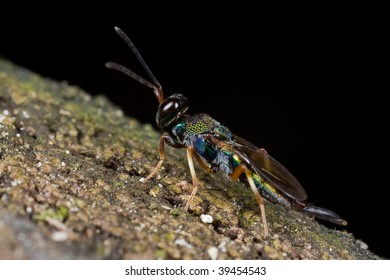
[(235, 175)]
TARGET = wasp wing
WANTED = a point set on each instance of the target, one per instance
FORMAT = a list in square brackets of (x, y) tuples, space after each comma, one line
[(269, 169)]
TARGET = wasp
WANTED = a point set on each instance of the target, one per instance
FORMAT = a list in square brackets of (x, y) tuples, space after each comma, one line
[(216, 148)]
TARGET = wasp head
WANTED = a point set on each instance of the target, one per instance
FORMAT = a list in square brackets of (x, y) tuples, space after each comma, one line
[(171, 110)]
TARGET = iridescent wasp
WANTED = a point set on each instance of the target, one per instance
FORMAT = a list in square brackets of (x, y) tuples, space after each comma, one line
[(215, 148)]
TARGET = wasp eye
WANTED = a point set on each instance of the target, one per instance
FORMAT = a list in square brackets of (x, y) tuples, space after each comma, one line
[(170, 107)]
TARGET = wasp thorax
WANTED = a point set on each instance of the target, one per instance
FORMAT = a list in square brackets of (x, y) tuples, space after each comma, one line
[(171, 110)]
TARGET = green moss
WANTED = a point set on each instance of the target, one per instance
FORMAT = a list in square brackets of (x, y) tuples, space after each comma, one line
[(161, 255), (61, 214), (175, 212), (100, 251), (247, 219), (169, 237)]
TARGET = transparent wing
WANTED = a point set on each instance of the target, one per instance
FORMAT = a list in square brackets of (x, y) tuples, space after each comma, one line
[(269, 169)]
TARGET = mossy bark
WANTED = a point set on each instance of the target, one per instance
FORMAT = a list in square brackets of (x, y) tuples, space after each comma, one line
[(70, 170)]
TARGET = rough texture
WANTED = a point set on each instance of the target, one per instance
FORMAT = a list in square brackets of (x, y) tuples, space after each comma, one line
[(70, 170)]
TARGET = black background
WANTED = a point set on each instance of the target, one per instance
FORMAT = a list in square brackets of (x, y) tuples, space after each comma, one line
[(302, 85)]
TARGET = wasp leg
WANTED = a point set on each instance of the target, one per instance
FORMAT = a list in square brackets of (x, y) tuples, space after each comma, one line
[(162, 157), (200, 161), (192, 153), (235, 175), (195, 182), (164, 138)]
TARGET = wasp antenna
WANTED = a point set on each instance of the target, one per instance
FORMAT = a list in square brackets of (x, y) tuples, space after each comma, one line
[(157, 91), (141, 60), (128, 72)]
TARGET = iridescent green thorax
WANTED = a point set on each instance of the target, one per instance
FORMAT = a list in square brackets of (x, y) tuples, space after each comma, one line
[(203, 123), (200, 123)]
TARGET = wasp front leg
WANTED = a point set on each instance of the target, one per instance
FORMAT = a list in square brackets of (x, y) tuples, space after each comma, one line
[(161, 148)]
